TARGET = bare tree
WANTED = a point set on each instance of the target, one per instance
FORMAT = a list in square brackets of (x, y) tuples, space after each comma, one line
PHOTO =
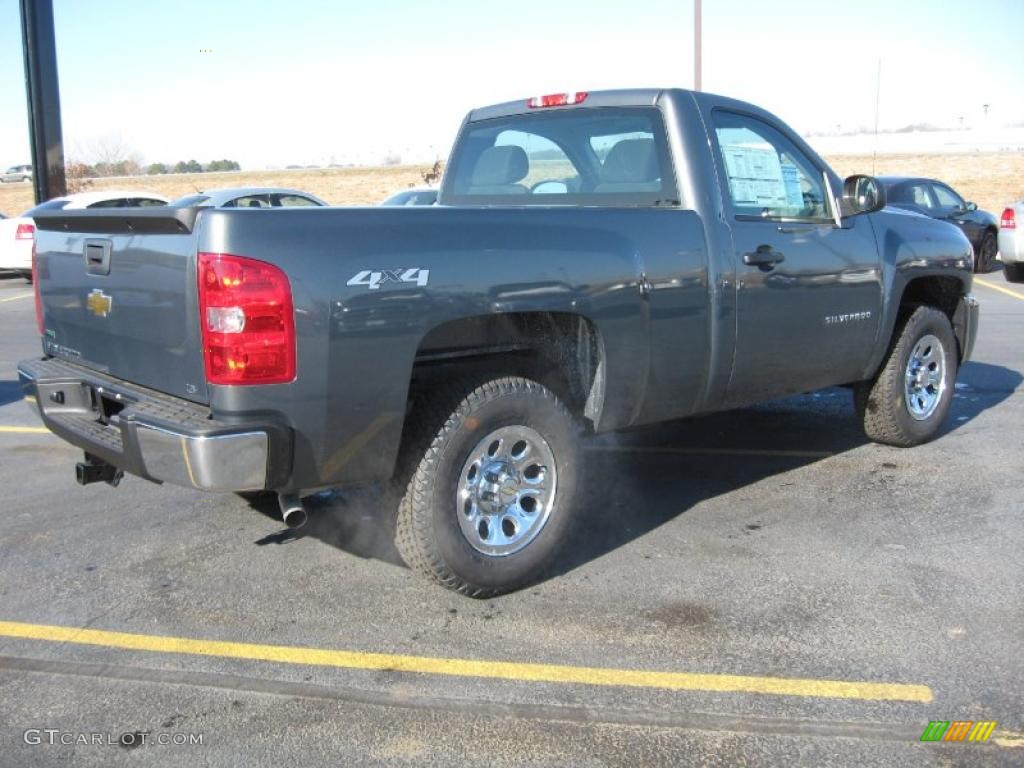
[(112, 156)]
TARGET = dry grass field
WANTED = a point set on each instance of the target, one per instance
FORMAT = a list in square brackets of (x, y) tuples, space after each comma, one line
[(990, 179)]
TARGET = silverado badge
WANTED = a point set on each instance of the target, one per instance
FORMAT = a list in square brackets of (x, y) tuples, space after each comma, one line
[(99, 303)]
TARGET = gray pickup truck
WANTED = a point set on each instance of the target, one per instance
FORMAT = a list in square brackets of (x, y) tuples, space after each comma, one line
[(597, 261)]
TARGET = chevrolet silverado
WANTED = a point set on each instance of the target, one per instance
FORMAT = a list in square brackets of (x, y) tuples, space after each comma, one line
[(596, 261)]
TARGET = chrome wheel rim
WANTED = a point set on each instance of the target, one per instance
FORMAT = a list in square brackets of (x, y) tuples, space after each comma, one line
[(506, 490), (925, 377)]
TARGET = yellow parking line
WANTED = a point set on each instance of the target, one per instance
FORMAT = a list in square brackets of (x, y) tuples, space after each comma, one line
[(503, 670), (1001, 289), (26, 430), (15, 298), (711, 451)]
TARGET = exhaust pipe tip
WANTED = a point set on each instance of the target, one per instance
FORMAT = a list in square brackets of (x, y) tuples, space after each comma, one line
[(293, 513)]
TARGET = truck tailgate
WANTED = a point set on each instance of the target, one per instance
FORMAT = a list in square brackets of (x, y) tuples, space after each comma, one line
[(118, 293)]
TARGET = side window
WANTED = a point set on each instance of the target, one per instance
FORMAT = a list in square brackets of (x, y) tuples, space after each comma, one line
[(116, 203), (947, 198), (145, 202), (294, 201), (768, 176)]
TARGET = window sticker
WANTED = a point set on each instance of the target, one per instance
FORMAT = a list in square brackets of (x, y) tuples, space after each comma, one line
[(755, 176), (791, 180)]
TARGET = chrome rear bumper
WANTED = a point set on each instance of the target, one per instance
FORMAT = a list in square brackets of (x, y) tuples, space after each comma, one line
[(153, 435)]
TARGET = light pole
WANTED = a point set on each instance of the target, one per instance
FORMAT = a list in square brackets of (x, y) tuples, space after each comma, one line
[(40, 49), (696, 45)]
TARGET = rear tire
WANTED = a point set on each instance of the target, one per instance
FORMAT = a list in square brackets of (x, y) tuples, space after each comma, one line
[(492, 493), (909, 398), (1014, 273), (986, 255)]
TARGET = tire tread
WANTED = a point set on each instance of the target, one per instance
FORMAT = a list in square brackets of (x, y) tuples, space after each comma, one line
[(877, 400), (436, 415)]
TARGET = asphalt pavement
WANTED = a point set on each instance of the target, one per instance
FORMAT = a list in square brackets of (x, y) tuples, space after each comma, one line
[(756, 587)]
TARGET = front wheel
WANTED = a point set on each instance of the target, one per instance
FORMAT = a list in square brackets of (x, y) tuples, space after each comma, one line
[(492, 497), (909, 399)]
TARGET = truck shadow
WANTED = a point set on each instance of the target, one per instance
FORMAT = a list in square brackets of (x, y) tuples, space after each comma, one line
[(10, 392), (638, 480)]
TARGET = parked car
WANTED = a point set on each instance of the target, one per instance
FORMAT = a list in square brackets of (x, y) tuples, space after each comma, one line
[(17, 173), (1011, 242), (597, 261), (18, 234), (249, 197), (940, 201), (413, 196)]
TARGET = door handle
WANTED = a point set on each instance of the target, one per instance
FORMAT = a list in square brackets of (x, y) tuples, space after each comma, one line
[(764, 256)]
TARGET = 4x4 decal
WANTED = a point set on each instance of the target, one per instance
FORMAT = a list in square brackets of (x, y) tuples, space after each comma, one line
[(373, 279)]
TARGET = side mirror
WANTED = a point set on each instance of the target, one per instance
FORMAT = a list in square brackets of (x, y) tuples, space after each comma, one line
[(862, 194), (971, 207)]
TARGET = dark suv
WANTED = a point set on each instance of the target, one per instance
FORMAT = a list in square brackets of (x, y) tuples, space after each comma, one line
[(938, 200)]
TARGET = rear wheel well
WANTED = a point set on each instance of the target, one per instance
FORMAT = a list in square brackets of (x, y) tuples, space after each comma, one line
[(560, 350)]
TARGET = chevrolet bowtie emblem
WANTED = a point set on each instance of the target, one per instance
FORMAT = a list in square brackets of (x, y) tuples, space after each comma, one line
[(99, 303)]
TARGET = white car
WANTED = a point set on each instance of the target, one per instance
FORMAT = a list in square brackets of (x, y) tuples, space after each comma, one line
[(1011, 242), (19, 233), (16, 173), (249, 197)]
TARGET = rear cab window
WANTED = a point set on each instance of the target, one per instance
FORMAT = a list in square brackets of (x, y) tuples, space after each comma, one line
[(596, 157)]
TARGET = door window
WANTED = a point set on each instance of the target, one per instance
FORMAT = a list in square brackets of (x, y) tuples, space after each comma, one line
[(768, 177), (919, 196), (947, 198)]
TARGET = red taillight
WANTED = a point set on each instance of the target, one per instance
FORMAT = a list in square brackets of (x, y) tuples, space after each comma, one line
[(245, 310), (557, 100), (25, 232), (35, 290), (1008, 220)]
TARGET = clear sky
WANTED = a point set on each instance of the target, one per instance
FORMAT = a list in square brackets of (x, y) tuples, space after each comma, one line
[(311, 81)]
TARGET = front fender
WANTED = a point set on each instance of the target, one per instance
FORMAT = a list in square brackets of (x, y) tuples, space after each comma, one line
[(916, 248)]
